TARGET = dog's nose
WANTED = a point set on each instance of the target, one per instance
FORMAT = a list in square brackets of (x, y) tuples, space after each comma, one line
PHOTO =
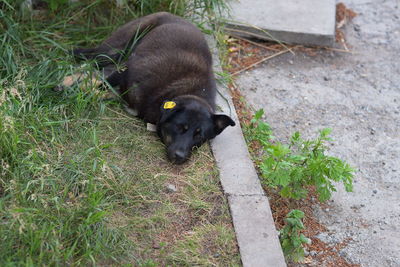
[(180, 156)]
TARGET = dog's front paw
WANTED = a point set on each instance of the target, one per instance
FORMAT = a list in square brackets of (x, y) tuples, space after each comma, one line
[(131, 111)]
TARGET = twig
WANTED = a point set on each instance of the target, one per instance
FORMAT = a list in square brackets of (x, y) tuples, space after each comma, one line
[(339, 50), (257, 44), (273, 49), (260, 61), (259, 36)]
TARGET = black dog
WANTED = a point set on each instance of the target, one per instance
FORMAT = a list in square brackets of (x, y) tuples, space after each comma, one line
[(168, 79)]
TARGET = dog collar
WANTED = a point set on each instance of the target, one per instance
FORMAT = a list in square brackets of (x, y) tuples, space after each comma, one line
[(169, 105)]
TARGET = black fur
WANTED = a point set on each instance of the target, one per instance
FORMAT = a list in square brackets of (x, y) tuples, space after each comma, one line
[(167, 59)]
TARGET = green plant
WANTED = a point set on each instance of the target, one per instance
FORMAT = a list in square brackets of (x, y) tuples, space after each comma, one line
[(259, 130), (291, 238), (292, 168)]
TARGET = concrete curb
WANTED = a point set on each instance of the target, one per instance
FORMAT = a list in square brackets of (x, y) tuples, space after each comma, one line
[(251, 214)]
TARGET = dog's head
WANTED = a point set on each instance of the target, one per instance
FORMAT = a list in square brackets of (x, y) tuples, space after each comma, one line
[(188, 122)]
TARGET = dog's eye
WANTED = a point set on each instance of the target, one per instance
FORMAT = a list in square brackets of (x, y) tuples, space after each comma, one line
[(183, 128), (197, 132)]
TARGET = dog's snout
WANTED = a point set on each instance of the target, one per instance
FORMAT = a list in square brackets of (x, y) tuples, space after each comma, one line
[(177, 156)]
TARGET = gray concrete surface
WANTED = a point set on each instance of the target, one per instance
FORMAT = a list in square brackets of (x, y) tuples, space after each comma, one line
[(310, 22), (358, 96), (237, 174), (251, 214)]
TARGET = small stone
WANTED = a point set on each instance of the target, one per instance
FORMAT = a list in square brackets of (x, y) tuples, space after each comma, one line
[(342, 253), (171, 188), (323, 237), (372, 131), (352, 260), (217, 255), (156, 245), (151, 127), (313, 253)]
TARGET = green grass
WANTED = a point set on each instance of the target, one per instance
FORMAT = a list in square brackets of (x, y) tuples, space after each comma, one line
[(80, 181)]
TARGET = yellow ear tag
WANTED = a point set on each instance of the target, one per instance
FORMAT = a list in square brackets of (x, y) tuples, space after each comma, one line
[(169, 105)]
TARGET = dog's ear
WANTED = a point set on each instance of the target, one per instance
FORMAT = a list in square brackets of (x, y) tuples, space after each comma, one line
[(221, 122)]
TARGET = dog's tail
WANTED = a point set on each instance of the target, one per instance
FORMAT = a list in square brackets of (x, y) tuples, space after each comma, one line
[(101, 56)]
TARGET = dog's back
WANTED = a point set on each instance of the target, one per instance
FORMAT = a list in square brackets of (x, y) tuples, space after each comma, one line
[(171, 58)]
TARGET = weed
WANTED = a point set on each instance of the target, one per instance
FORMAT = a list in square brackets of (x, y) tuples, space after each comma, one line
[(292, 168), (258, 130), (291, 238)]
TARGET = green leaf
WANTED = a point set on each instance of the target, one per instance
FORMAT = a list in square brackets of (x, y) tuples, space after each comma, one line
[(304, 239), (325, 132), (259, 113)]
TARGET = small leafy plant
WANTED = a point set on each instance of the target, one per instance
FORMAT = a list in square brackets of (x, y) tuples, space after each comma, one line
[(293, 168), (291, 238), (259, 130)]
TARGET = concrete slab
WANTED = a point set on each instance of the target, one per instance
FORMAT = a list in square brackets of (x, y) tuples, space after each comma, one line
[(308, 22), (252, 218), (255, 231)]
